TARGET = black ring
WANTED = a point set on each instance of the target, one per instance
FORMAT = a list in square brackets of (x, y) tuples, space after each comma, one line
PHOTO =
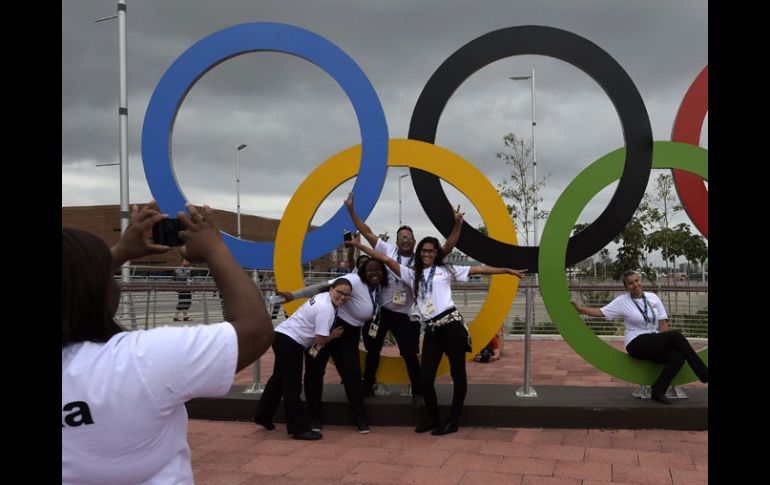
[(586, 56)]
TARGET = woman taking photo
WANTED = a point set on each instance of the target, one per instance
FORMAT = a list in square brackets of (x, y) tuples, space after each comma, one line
[(445, 330), (310, 326), (647, 334)]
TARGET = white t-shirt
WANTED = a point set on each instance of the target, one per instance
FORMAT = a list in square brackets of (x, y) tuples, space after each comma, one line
[(395, 283), (123, 413), (360, 308), (314, 317), (437, 296), (631, 310)]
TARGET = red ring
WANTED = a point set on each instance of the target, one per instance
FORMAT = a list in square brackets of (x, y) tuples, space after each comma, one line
[(687, 127)]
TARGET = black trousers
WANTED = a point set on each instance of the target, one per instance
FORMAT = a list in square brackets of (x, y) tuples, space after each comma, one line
[(670, 349), (449, 339), (403, 330), (286, 383), (344, 351)]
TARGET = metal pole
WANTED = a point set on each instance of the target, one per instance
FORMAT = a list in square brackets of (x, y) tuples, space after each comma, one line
[(238, 187), (526, 390), (399, 200)]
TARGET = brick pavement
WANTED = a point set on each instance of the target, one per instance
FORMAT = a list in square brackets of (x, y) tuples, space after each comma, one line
[(236, 453)]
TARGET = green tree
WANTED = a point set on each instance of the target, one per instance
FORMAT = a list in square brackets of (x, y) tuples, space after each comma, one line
[(518, 188), (658, 212)]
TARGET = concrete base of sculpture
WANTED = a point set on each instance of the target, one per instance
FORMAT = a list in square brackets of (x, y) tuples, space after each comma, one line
[(494, 405)]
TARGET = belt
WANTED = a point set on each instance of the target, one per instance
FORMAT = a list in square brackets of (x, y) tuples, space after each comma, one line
[(447, 316)]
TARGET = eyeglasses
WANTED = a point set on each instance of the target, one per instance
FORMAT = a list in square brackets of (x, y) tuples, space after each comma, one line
[(342, 294), (405, 238)]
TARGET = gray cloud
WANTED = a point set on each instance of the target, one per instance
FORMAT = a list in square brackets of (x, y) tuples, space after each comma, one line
[(293, 115)]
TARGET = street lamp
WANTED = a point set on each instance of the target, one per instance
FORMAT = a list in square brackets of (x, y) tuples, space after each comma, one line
[(399, 198), (125, 270), (534, 152), (238, 185)]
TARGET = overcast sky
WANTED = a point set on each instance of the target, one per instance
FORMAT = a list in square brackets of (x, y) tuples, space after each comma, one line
[(293, 116)]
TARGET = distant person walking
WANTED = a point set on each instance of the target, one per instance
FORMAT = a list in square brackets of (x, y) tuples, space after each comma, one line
[(184, 298)]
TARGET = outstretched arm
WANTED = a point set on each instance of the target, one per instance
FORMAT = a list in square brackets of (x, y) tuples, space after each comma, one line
[(389, 262), (305, 292), (362, 227), (496, 270), (454, 236), (584, 310)]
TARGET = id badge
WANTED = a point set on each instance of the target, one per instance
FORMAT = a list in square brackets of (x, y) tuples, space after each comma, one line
[(399, 297), (313, 351), (373, 328)]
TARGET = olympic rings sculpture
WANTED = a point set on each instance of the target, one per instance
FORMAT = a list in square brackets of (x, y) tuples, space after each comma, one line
[(368, 162)]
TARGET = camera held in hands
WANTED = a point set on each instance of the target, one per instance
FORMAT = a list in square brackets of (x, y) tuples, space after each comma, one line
[(166, 232)]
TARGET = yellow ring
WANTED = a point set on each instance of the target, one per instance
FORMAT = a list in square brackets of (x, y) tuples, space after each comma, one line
[(401, 153)]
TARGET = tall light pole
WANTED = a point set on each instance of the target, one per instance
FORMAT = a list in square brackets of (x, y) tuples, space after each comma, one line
[(399, 198), (125, 270), (534, 151), (238, 185)]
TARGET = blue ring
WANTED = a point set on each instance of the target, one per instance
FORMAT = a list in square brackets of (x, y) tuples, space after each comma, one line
[(266, 36)]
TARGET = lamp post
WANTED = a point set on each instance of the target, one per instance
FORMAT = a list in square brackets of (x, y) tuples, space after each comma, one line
[(526, 390), (534, 151), (238, 186), (399, 198), (125, 270)]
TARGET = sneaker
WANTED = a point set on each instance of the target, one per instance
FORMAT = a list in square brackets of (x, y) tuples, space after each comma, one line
[(316, 425), (308, 436), (661, 398), (362, 427)]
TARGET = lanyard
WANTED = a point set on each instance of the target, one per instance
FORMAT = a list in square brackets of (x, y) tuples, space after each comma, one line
[(375, 296), (644, 311), (427, 287), (408, 263)]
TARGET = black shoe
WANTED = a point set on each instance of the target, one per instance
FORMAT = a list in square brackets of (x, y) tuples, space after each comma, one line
[(268, 425), (186, 319), (316, 425), (661, 398), (449, 427), (425, 426), (417, 403), (705, 378), (308, 436), (362, 427)]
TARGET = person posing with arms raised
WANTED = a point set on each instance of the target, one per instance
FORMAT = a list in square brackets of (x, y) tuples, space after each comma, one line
[(123, 393), (310, 326), (397, 302), (445, 330), (363, 306), (647, 333)]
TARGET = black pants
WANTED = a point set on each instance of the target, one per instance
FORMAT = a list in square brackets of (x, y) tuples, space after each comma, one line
[(668, 348), (285, 382), (403, 330), (449, 339), (344, 351)]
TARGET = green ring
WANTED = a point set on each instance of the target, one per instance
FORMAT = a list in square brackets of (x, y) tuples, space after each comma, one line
[(553, 250)]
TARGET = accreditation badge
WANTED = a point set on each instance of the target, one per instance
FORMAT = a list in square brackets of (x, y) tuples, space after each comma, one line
[(426, 306)]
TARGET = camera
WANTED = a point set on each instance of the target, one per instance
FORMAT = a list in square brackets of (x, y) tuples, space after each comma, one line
[(166, 232), (347, 236)]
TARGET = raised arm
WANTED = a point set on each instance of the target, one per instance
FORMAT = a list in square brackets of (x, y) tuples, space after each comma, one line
[(362, 227), (584, 310), (243, 302), (389, 262), (495, 270), (454, 236), (136, 242)]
